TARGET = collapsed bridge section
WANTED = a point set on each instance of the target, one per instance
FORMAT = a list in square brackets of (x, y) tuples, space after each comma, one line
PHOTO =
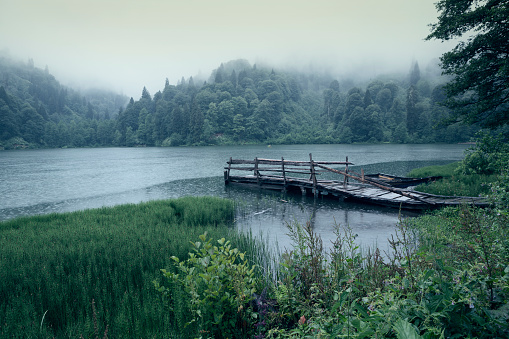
[(303, 176)]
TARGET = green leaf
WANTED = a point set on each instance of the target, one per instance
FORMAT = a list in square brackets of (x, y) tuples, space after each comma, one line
[(406, 282), (405, 330), (203, 237)]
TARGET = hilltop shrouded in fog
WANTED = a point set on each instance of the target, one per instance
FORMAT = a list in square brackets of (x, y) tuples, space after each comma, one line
[(326, 71), (125, 45), (239, 103)]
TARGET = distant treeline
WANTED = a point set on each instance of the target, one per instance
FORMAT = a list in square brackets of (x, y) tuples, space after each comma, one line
[(239, 104)]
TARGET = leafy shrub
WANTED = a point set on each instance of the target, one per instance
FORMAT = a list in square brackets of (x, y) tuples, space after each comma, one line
[(489, 155), (433, 283), (215, 285), (499, 193)]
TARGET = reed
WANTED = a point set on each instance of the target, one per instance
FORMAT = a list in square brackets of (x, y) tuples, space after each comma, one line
[(90, 273), (429, 171), (453, 183)]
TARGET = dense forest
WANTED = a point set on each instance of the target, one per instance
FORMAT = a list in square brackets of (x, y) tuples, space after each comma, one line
[(37, 111), (240, 103)]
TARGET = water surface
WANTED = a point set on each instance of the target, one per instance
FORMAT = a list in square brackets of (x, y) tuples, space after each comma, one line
[(61, 180)]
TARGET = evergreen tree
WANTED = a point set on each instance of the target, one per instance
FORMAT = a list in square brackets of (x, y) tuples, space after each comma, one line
[(413, 111), (415, 74), (367, 98), (196, 121), (478, 91)]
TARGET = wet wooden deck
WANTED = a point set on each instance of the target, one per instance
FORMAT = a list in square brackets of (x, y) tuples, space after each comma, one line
[(363, 190)]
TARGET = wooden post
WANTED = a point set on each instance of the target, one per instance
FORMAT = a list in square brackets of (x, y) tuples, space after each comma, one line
[(229, 167), (256, 172), (313, 174), (284, 174), (346, 171)]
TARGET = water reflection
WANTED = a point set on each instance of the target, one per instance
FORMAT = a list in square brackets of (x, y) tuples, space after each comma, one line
[(269, 212)]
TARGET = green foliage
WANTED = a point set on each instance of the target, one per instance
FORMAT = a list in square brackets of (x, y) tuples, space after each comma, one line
[(63, 275), (478, 63), (430, 171), (453, 183), (35, 107), (446, 276), (499, 193), (473, 185), (215, 285), (438, 281), (16, 143), (490, 155), (474, 174)]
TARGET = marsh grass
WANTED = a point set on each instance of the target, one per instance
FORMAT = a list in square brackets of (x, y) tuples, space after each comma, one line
[(90, 273), (453, 183), (429, 171)]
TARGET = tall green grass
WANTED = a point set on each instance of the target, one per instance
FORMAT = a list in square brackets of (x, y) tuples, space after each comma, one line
[(430, 171), (453, 183), (90, 273)]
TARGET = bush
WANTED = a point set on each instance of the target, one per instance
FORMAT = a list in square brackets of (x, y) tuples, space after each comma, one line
[(214, 286), (489, 156), (16, 143), (414, 291), (474, 174)]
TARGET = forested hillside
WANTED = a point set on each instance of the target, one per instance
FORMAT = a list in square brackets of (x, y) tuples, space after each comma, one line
[(240, 103), (399, 110), (37, 111)]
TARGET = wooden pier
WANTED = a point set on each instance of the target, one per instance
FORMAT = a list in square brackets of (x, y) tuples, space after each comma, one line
[(302, 176)]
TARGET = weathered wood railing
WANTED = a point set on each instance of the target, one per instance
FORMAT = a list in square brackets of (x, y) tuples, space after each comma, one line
[(300, 167), (284, 167), (280, 175)]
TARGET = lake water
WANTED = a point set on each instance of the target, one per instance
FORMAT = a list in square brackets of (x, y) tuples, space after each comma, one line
[(61, 180)]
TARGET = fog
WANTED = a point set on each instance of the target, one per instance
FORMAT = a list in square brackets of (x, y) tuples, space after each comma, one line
[(126, 45)]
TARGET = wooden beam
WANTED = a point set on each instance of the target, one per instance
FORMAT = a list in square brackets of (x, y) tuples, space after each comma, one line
[(371, 182)]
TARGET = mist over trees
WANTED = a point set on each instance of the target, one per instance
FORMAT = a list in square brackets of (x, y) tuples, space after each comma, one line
[(239, 103), (37, 111)]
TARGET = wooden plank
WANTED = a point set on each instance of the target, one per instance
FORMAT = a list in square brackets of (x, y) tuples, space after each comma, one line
[(402, 198), (373, 194), (287, 162), (371, 182), (369, 191), (392, 196)]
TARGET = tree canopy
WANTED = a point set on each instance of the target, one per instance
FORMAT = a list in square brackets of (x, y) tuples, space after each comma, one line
[(479, 64), (239, 104)]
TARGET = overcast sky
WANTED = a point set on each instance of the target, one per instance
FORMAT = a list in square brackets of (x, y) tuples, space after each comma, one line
[(126, 44)]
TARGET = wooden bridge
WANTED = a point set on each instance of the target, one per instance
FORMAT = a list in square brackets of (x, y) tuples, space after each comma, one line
[(301, 176)]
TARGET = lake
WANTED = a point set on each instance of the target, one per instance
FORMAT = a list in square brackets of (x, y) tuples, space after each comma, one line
[(62, 180)]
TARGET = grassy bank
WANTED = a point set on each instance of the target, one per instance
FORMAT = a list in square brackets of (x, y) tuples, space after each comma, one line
[(482, 166), (90, 273), (96, 274), (453, 181)]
